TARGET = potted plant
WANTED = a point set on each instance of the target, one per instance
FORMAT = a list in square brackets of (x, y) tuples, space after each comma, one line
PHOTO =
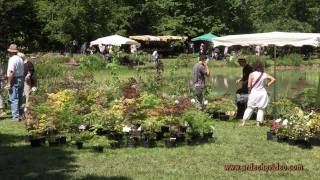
[(79, 138), (99, 143), (200, 126), (133, 136), (36, 138), (150, 127)]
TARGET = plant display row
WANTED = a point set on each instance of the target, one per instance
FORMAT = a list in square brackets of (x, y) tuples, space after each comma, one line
[(93, 115), (294, 124)]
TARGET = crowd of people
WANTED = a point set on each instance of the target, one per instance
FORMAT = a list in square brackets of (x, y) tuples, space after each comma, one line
[(252, 95), (21, 82)]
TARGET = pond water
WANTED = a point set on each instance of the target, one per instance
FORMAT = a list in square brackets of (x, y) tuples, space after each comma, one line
[(223, 79), (288, 84)]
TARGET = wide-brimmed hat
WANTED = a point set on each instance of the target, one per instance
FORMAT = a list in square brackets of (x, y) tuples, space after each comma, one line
[(12, 48)]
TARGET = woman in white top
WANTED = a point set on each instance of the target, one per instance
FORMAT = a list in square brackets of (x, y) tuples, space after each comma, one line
[(258, 97)]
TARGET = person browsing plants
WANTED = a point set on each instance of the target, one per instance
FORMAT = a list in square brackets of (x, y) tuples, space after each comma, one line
[(15, 74), (242, 93), (200, 70), (258, 97)]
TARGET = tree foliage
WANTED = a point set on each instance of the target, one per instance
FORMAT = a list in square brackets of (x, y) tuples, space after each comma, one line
[(53, 24)]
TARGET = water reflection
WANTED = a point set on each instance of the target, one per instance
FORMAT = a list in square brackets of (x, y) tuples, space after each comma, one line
[(288, 84)]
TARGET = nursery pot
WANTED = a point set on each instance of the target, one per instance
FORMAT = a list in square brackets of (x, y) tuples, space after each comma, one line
[(314, 141), (132, 142), (37, 142), (54, 142), (115, 145), (79, 145), (206, 137), (159, 135), (180, 138), (224, 117), (170, 143), (271, 136), (194, 139), (115, 136), (165, 129), (62, 140), (149, 143), (282, 139)]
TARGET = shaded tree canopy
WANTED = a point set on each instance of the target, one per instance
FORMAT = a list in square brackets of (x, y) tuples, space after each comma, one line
[(54, 24)]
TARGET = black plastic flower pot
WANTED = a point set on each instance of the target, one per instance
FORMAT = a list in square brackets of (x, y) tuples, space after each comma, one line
[(149, 143), (224, 117), (115, 136), (314, 141), (98, 149), (62, 140), (159, 136), (132, 142), (182, 129), (53, 143), (271, 136), (180, 138), (115, 145), (79, 145), (282, 139), (194, 139), (37, 142), (206, 137), (165, 129), (170, 143)]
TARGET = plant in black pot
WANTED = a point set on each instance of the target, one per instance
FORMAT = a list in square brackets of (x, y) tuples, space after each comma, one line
[(99, 143), (207, 133), (150, 127), (81, 137), (200, 126), (133, 136), (36, 138)]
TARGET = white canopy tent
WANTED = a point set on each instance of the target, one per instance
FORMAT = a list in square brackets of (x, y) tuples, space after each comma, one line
[(145, 38), (115, 40), (271, 38)]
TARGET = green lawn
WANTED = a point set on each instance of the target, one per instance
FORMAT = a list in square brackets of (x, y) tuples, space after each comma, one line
[(234, 145)]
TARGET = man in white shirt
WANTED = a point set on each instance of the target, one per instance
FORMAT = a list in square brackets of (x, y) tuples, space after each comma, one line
[(15, 74)]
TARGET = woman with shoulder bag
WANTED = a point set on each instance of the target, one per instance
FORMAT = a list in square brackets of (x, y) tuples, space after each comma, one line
[(258, 97)]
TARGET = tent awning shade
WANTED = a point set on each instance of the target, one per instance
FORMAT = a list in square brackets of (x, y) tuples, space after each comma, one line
[(115, 40), (166, 38), (145, 38), (205, 37), (271, 38)]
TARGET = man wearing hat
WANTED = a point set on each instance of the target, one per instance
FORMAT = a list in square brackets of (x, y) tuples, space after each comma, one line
[(243, 91), (15, 74)]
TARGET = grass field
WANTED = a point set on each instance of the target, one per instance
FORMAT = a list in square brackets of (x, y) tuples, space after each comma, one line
[(234, 145)]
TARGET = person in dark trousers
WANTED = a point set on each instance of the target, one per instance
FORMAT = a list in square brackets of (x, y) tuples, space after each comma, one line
[(30, 82), (242, 93), (200, 70)]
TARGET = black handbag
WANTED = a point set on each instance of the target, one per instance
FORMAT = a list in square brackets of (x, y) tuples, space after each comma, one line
[(242, 98)]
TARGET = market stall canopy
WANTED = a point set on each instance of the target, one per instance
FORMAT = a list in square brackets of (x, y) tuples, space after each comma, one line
[(205, 37), (166, 38), (145, 38), (270, 38), (115, 40)]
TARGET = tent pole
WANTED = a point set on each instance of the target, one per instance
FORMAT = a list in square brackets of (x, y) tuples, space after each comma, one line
[(274, 72), (275, 84)]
